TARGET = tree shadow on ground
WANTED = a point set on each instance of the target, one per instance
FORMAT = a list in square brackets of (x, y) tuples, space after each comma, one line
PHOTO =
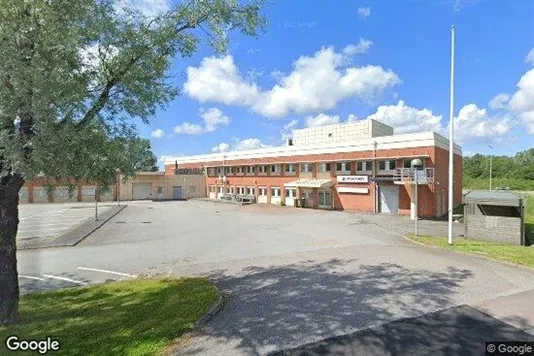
[(285, 306)]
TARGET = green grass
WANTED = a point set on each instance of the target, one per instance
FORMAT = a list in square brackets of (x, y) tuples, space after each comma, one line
[(137, 317), (521, 255)]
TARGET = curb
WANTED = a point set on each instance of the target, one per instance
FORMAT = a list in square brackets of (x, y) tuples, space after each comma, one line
[(516, 265), (214, 310)]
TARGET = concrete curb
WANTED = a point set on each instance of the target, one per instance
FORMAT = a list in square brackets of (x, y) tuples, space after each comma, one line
[(471, 255), (214, 310), (77, 234)]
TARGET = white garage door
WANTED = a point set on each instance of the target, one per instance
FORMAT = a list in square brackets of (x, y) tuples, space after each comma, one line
[(389, 199), (141, 191)]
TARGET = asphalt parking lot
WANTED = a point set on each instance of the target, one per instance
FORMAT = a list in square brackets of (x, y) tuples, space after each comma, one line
[(48, 221), (290, 276)]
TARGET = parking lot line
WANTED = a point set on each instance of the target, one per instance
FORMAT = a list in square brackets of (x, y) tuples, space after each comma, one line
[(107, 271), (64, 279), (31, 277)]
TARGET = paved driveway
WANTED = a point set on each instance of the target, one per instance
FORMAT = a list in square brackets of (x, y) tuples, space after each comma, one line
[(291, 276), (48, 221)]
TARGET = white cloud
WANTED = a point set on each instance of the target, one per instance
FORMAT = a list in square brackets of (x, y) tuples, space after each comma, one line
[(213, 118), (163, 159), (499, 101), (362, 47), (522, 101), (364, 12), (473, 122), (219, 80), (315, 84), (188, 129), (148, 8), (321, 120), (530, 57), (287, 130), (221, 147), (406, 119), (249, 144), (158, 133), (352, 118)]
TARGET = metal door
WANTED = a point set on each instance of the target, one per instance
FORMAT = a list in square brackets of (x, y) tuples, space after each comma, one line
[(389, 199), (141, 191), (177, 192)]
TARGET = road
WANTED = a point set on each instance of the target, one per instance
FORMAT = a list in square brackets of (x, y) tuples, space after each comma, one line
[(291, 276)]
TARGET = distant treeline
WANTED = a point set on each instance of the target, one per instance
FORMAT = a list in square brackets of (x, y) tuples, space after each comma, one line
[(515, 172)]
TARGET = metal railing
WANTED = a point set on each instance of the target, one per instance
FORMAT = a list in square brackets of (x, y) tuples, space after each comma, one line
[(407, 175)]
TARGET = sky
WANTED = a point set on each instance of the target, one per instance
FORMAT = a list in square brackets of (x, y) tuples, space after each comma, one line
[(321, 62)]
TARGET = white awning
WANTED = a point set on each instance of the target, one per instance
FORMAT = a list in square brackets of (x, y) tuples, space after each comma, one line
[(310, 183)]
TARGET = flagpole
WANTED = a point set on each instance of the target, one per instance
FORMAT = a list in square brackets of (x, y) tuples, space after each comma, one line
[(451, 140)]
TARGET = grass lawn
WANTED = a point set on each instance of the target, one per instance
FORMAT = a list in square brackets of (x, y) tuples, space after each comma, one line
[(504, 252), (137, 317)]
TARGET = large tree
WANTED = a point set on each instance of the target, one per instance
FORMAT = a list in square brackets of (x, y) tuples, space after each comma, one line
[(72, 75)]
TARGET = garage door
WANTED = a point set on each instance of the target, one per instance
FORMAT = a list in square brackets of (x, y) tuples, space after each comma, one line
[(389, 199), (141, 191)]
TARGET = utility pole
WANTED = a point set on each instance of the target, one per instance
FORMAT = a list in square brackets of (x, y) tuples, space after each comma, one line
[(451, 140), (491, 166)]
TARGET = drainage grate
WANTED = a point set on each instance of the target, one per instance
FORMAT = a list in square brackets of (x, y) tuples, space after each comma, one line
[(147, 222), (120, 222)]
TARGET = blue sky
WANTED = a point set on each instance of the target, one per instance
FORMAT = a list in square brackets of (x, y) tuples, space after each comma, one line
[(318, 63)]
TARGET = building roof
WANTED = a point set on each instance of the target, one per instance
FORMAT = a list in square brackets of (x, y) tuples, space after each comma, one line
[(493, 197), (422, 139)]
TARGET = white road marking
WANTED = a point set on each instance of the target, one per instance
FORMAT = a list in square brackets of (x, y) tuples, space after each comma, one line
[(107, 271), (64, 279), (31, 277)]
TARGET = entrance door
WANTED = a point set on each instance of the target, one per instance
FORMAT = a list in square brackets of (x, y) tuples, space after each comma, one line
[(325, 199), (177, 192), (389, 199)]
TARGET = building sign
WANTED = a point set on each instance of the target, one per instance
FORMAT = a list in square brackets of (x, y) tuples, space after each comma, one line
[(353, 179), (382, 179)]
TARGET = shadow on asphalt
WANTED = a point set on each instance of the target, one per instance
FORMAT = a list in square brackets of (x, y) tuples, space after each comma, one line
[(460, 330), (277, 308)]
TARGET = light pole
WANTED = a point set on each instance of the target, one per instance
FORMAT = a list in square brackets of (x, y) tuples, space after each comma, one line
[(491, 166), (118, 187), (416, 163)]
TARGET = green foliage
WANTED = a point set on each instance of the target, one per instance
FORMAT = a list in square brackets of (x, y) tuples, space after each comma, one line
[(521, 166), (72, 73), (137, 317)]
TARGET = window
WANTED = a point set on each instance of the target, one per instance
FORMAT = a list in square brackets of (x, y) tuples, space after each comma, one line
[(160, 190), (239, 170), (192, 189), (275, 168), (343, 166), (275, 192), (250, 169), (87, 192), (250, 190), (290, 168), (219, 171), (211, 172), (324, 167), (306, 167), (262, 169), (364, 166), (388, 165), (291, 193), (240, 190), (221, 190), (212, 189), (263, 191), (407, 163)]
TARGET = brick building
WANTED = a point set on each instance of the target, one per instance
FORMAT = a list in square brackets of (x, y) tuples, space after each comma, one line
[(356, 166)]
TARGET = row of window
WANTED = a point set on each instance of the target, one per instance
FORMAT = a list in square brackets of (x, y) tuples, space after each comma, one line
[(291, 168), (262, 191)]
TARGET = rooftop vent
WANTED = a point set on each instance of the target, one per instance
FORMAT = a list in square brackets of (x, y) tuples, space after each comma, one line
[(289, 142)]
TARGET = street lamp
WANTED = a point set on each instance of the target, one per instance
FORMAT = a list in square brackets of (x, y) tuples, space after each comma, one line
[(491, 167), (118, 186), (416, 164)]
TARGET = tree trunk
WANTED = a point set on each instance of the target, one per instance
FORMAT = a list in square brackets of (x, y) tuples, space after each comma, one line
[(9, 221)]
